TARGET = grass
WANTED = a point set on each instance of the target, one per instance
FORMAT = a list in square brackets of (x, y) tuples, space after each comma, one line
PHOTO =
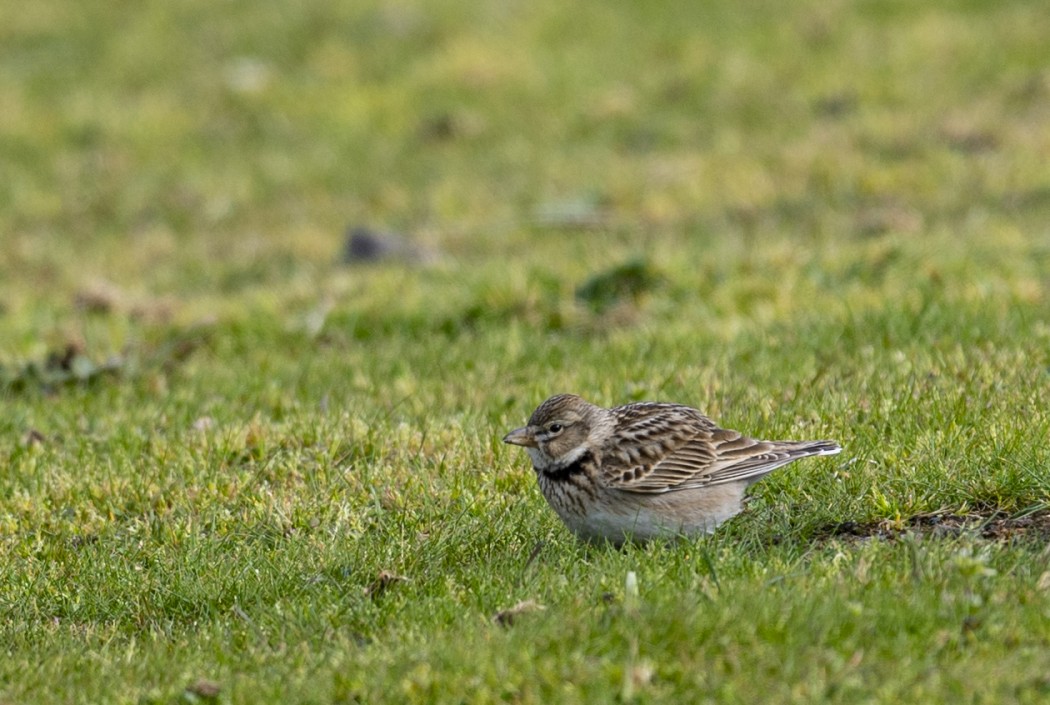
[(235, 469)]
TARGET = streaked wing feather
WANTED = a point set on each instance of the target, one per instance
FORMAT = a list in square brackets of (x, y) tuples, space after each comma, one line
[(664, 446), (673, 448)]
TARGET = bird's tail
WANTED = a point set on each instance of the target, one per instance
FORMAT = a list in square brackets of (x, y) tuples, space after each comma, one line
[(766, 456), (804, 449)]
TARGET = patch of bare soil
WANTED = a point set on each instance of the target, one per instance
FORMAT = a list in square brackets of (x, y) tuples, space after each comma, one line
[(993, 526)]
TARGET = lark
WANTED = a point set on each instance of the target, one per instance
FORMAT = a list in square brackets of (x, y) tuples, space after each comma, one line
[(646, 470)]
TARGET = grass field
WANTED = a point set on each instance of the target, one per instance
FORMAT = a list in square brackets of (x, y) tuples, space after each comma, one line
[(235, 469)]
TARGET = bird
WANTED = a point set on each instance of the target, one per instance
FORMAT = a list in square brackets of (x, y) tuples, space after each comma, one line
[(645, 470)]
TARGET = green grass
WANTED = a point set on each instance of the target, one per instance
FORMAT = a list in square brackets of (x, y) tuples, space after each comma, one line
[(827, 220)]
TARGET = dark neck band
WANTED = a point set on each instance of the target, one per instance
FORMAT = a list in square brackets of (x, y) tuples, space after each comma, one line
[(561, 474)]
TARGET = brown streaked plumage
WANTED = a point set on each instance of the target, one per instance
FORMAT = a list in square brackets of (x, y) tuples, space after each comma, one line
[(645, 470)]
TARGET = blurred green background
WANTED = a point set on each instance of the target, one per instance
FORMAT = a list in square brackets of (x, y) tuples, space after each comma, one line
[(189, 148)]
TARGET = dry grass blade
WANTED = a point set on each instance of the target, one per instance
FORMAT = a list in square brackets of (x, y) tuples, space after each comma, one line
[(507, 617), (382, 583)]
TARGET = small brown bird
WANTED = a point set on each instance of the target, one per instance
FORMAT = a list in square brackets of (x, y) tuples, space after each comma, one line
[(646, 470)]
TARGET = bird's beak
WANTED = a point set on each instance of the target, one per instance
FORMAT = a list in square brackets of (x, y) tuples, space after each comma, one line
[(523, 436)]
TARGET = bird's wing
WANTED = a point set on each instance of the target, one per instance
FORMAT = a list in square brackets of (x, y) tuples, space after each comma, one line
[(666, 447)]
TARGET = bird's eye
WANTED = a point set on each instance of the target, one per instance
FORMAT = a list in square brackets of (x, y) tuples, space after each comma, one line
[(555, 428)]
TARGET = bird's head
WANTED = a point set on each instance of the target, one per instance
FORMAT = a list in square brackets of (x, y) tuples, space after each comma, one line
[(559, 431)]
